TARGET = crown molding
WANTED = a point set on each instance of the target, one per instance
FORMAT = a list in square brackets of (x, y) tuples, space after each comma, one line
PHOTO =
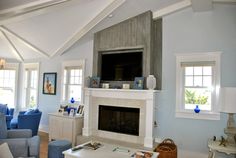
[(172, 8)]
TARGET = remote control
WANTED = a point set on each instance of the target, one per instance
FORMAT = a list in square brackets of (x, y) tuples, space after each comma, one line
[(77, 148)]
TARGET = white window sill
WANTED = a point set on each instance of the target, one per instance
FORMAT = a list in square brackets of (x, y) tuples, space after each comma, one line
[(200, 116)]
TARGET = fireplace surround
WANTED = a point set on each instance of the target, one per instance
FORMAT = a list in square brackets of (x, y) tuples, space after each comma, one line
[(144, 100)]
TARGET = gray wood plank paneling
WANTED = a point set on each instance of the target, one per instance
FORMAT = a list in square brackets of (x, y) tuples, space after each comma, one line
[(134, 33)]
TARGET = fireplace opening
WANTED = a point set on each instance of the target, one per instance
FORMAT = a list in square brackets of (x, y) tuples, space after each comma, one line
[(119, 119)]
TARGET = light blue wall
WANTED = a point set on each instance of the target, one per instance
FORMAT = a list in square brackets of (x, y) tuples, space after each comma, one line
[(183, 32), (51, 103)]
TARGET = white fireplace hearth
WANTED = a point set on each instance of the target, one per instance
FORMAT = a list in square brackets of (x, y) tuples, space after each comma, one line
[(145, 100)]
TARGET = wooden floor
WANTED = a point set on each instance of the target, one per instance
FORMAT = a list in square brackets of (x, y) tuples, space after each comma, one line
[(43, 144)]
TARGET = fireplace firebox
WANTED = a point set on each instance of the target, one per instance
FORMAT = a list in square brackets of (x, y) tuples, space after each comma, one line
[(123, 120)]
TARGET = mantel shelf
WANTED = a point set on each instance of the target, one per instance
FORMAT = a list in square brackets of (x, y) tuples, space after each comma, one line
[(121, 93), (123, 90)]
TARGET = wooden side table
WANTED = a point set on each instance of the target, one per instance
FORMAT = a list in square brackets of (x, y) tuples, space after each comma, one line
[(215, 147)]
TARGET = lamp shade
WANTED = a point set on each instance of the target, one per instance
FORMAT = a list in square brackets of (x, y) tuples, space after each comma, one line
[(228, 100)]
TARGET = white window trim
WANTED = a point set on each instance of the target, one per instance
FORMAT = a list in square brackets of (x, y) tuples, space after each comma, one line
[(31, 66), (197, 57), (73, 63)]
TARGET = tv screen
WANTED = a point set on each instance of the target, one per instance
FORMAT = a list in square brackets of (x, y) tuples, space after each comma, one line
[(121, 66)]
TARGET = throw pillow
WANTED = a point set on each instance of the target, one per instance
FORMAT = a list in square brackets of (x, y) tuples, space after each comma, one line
[(31, 111), (3, 108), (3, 127), (5, 151)]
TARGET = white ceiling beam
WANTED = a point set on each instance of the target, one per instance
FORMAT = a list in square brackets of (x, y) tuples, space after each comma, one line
[(30, 6), (171, 8), (79, 34), (28, 12), (13, 47), (202, 5), (25, 42)]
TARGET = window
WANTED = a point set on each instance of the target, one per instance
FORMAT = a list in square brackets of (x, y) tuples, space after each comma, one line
[(30, 85), (73, 74), (8, 79), (197, 83)]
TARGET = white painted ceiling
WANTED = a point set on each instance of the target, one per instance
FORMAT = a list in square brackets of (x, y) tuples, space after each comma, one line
[(32, 29)]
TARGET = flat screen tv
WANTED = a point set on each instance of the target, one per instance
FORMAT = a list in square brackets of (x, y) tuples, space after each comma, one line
[(123, 66)]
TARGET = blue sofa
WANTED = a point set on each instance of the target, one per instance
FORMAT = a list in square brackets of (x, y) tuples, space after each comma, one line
[(8, 112), (20, 141), (29, 119)]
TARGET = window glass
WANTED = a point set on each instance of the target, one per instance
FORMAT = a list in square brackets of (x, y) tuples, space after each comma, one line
[(31, 87), (7, 87), (198, 87), (74, 87)]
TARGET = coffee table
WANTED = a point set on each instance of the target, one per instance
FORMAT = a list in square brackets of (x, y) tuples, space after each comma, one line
[(105, 151)]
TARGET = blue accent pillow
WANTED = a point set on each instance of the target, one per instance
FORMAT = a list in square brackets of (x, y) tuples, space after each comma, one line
[(31, 111)]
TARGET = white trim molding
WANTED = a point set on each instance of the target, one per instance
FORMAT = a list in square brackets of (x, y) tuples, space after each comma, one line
[(172, 8), (181, 112), (73, 63)]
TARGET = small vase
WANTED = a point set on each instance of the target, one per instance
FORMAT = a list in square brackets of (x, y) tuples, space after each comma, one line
[(151, 82), (197, 109), (72, 100)]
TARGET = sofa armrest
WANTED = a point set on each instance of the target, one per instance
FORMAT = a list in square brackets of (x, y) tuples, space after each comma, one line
[(19, 133), (34, 146), (18, 147)]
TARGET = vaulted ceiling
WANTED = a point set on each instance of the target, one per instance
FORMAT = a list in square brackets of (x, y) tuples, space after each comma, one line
[(32, 29)]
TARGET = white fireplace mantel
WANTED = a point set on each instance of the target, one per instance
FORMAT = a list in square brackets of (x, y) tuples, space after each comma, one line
[(148, 96)]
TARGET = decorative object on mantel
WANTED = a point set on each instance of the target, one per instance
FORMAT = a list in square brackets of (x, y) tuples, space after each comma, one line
[(2, 63), (95, 82), (138, 82), (197, 109), (151, 82), (105, 85), (229, 106), (126, 86)]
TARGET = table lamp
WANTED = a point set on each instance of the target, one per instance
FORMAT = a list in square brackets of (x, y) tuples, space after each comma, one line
[(229, 106)]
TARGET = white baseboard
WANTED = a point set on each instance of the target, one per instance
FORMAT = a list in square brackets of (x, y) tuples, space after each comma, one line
[(192, 154), (43, 128)]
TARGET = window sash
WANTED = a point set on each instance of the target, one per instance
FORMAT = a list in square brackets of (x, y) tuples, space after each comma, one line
[(67, 82), (31, 85), (197, 64), (9, 84)]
